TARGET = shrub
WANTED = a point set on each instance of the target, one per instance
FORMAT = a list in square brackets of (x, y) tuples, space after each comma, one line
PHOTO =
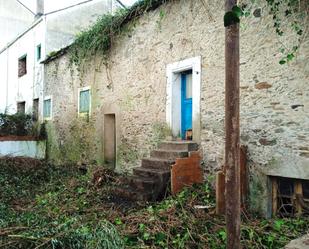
[(18, 124)]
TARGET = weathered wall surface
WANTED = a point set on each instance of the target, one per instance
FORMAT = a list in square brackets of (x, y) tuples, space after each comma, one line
[(29, 86), (33, 149), (133, 86)]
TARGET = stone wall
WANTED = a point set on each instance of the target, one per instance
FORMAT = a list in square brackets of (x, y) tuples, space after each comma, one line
[(132, 84)]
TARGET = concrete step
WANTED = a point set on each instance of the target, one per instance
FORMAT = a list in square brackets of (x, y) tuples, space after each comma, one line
[(168, 154), (178, 145), (156, 163), (154, 173), (142, 183), (133, 194)]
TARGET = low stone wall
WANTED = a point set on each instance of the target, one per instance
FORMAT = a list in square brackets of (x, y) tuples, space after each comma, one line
[(23, 146)]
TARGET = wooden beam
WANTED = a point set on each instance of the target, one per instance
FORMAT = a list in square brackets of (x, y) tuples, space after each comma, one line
[(244, 181), (274, 196), (232, 176), (298, 194), (220, 190)]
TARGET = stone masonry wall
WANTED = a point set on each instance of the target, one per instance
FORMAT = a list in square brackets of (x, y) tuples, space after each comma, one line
[(132, 84)]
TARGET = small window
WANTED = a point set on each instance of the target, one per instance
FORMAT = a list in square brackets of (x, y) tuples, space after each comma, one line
[(84, 101), (305, 186), (47, 108), (22, 66), (38, 52), (290, 196), (21, 107)]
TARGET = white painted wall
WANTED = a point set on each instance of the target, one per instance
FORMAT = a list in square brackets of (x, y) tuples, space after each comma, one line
[(33, 149), (53, 31), (27, 87), (63, 26), (14, 19)]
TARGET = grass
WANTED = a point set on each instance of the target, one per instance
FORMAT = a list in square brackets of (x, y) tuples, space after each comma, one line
[(43, 206)]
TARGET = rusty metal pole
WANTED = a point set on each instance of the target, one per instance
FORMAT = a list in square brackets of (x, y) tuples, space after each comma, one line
[(232, 156)]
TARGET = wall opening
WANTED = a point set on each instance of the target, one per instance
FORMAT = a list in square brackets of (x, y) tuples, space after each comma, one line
[(110, 140), (35, 110), (21, 107), (173, 99), (38, 52), (22, 66), (290, 197)]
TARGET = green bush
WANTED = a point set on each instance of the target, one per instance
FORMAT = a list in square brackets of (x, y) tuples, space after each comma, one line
[(18, 124)]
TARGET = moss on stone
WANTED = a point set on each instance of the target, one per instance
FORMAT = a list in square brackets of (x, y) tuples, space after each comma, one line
[(79, 146), (258, 196)]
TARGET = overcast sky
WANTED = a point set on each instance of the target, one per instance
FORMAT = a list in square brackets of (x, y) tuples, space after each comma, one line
[(51, 5)]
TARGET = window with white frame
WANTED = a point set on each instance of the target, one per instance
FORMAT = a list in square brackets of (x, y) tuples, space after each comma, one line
[(47, 108), (84, 100)]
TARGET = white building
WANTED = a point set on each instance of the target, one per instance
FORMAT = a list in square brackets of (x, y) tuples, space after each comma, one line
[(21, 74)]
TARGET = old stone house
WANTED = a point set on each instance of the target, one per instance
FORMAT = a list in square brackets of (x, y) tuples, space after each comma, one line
[(121, 108)]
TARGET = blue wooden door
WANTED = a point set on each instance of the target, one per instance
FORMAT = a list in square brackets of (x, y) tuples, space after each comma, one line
[(186, 103)]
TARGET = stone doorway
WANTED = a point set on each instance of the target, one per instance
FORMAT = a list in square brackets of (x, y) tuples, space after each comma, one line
[(110, 140), (174, 119)]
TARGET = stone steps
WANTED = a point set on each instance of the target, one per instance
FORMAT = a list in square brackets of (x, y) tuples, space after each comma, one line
[(133, 194), (140, 183), (157, 163), (151, 181), (152, 173), (178, 145), (169, 154)]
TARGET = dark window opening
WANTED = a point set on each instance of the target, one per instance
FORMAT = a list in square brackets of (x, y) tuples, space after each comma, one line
[(285, 206), (21, 107), (290, 197), (22, 66), (305, 189), (35, 110), (285, 186), (38, 52)]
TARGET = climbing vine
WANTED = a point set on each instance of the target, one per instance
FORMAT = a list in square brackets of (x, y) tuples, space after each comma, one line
[(99, 38), (290, 18)]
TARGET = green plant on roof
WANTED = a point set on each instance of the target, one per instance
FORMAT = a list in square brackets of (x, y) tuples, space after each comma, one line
[(99, 38)]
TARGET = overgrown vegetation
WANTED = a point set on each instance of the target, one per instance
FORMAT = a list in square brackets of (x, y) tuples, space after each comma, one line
[(288, 16), (99, 38), (43, 206), (19, 124)]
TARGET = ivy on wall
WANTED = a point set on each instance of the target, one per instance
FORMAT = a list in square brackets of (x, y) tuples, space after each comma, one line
[(99, 38), (289, 16), (290, 19)]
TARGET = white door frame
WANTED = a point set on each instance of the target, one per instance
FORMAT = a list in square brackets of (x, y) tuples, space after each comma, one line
[(173, 99)]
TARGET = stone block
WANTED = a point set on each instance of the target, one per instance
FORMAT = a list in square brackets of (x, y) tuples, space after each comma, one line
[(263, 85)]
